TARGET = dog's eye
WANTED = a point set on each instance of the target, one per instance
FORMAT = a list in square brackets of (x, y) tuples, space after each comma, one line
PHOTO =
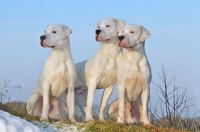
[(107, 25), (132, 32), (98, 26), (54, 32), (122, 31)]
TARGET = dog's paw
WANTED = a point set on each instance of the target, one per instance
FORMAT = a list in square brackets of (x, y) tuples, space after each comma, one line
[(44, 118), (120, 122), (89, 119), (29, 111), (101, 119), (120, 119), (146, 123), (72, 119)]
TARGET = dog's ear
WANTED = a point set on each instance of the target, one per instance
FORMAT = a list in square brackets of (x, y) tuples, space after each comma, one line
[(120, 24), (69, 31), (144, 33), (65, 31)]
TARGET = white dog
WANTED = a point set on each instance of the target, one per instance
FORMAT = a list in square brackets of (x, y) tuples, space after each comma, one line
[(134, 76), (100, 70), (57, 78)]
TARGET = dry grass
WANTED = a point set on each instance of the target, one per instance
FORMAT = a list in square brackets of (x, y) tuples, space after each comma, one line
[(17, 106), (110, 126)]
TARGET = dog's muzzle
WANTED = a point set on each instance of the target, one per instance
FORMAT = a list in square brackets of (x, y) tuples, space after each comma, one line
[(42, 38)]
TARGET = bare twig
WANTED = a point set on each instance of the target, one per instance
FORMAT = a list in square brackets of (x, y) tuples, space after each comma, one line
[(4, 89)]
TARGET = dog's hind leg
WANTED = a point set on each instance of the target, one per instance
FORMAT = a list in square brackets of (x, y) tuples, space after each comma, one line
[(32, 102), (80, 99), (113, 110)]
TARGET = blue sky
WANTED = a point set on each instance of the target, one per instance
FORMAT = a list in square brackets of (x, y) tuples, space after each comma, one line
[(174, 40)]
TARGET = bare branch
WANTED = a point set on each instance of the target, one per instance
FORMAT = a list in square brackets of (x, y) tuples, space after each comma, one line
[(172, 104)]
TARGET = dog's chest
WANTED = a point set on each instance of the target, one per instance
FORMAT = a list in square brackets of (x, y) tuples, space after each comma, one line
[(134, 84), (108, 77), (59, 81)]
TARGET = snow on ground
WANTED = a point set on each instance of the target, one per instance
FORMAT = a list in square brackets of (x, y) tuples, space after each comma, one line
[(10, 123)]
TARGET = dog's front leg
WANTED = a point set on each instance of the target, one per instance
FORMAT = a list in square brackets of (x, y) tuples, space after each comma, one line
[(106, 95), (90, 100), (45, 107), (121, 91), (144, 99), (70, 103)]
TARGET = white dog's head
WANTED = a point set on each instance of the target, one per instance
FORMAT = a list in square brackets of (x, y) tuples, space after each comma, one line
[(108, 29), (132, 36), (55, 36)]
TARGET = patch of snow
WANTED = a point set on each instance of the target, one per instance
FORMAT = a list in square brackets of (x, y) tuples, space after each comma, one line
[(56, 127), (10, 123)]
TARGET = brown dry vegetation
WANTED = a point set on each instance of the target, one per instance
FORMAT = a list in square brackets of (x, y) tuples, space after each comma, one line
[(17, 106)]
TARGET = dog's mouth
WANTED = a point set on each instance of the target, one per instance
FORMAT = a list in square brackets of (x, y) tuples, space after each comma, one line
[(41, 43), (120, 44), (130, 47), (100, 38), (123, 45), (96, 38), (45, 45)]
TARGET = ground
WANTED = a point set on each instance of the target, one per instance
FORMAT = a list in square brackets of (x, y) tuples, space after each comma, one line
[(10, 123)]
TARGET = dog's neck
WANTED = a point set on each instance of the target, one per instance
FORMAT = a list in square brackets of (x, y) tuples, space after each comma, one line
[(61, 54), (111, 48), (136, 55)]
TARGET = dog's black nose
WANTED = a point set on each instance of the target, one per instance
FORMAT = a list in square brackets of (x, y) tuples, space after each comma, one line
[(42, 37), (98, 31), (121, 38)]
